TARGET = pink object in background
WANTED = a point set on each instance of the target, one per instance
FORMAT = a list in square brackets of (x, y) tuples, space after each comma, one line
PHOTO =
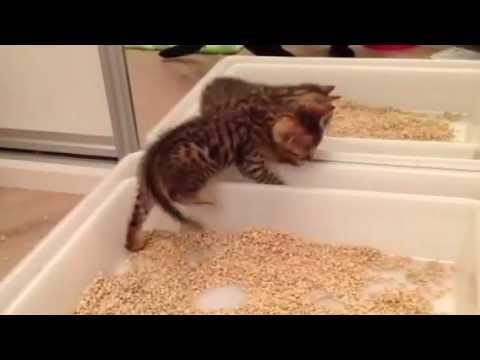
[(390, 47)]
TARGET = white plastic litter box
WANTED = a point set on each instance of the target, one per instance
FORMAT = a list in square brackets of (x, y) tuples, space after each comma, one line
[(409, 84), (402, 209), (91, 238)]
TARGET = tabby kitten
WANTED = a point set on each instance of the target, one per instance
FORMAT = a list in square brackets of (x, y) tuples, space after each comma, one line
[(230, 94), (179, 164), (225, 94)]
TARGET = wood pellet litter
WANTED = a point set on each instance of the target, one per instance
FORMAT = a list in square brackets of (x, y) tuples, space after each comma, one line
[(360, 121), (278, 274)]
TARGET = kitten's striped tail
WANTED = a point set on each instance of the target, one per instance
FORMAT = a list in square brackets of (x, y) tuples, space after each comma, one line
[(154, 187), (143, 204)]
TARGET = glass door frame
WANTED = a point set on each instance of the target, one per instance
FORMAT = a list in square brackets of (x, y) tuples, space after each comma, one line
[(119, 97)]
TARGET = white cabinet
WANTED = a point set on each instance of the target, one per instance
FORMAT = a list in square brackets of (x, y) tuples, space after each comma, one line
[(52, 98)]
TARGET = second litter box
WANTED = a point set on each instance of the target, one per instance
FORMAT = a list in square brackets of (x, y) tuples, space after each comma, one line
[(428, 86)]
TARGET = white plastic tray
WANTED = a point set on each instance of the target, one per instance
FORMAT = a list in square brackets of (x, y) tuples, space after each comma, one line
[(101, 218), (410, 225), (422, 85), (90, 238)]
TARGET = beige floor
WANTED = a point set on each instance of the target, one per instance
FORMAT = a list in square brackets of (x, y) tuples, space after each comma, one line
[(27, 216)]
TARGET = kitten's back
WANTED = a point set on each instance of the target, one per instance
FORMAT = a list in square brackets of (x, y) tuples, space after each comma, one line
[(226, 94)]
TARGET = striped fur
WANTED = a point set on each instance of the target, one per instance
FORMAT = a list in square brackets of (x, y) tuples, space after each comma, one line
[(230, 94), (179, 164)]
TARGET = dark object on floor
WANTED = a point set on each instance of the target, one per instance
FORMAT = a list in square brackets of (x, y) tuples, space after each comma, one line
[(268, 50), (260, 50), (340, 51), (180, 50)]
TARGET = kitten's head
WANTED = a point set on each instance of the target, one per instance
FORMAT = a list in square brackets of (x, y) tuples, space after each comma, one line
[(297, 134)]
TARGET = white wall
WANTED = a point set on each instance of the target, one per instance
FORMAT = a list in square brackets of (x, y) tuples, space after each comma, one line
[(53, 88)]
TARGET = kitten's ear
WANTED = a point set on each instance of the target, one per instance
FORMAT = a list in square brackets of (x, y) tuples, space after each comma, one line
[(326, 89), (284, 129), (319, 89), (333, 97), (327, 116), (325, 121), (321, 113)]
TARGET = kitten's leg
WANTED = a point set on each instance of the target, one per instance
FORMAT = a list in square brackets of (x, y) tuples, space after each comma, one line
[(252, 166), (143, 205), (204, 196), (187, 190)]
